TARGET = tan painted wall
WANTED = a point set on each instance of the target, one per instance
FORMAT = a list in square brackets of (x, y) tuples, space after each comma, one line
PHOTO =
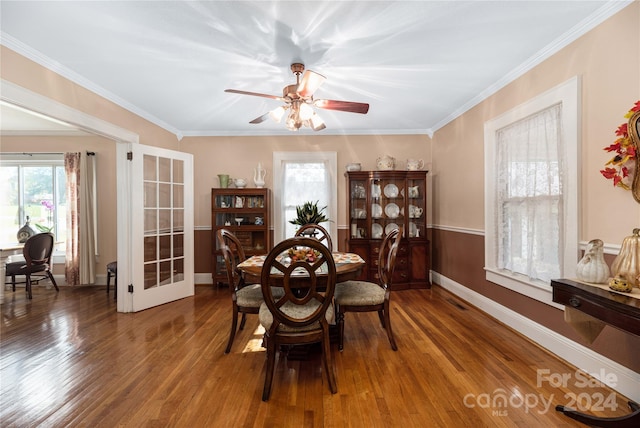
[(608, 61), (460, 257), (26, 73), (105, 151), (238, 156)]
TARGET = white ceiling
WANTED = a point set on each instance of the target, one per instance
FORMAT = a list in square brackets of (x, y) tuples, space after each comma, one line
[(419, 64)]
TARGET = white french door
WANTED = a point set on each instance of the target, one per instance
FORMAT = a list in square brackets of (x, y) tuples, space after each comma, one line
[(155, 248)]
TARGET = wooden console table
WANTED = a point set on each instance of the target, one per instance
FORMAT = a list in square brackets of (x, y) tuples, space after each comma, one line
[(615, 309)]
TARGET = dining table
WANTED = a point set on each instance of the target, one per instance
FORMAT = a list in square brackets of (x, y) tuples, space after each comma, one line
[(348, 266)]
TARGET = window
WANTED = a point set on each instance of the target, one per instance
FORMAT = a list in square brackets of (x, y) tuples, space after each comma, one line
[(300, 177), (34, 186), (531, 193)]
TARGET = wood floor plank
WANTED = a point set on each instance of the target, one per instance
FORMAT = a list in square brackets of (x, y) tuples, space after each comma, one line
[(69, 359)]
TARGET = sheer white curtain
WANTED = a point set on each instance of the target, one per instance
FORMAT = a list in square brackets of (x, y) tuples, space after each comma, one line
[(304, 181), (529, 195), (80, 257), (301, 177)]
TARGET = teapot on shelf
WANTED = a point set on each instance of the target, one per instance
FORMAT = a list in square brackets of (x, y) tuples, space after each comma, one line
[(386, 163), (415, 164)]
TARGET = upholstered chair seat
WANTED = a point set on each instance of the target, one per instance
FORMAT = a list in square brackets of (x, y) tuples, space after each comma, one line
[(245, 298), (359, 293), (295, 311), (251, 296), (366, 296)]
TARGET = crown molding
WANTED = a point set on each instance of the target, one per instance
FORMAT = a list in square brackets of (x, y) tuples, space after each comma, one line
[(580, 29), (48, 63), (306, 132)]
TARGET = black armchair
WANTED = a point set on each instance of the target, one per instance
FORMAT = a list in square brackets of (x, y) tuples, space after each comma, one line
[(37, 255)]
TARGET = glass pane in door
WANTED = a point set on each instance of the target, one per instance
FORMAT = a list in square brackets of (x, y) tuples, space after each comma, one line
[(157, 254), (164, 221)]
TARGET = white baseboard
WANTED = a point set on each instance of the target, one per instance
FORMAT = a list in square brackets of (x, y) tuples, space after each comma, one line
[(203, 278), (101, 279), (626, 380)]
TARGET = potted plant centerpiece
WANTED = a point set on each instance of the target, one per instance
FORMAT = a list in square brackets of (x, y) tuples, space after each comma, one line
[(309, 213)]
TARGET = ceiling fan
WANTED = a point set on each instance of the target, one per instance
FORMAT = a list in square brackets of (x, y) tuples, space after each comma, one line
[(299, 100)]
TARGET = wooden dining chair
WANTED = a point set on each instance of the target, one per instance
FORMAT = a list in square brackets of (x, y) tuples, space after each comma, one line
[(316, 231), (245, 298), (365, 296), (112, 270), (303, 313), (37, 253)]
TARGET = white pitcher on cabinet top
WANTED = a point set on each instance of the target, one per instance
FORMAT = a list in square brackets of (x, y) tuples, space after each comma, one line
[(414, 164), (258, 176), (386, 163)]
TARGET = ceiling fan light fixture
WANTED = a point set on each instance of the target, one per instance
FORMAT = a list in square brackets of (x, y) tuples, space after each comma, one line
[(310, 82), (299, 102), (306, 111), (276, 114), (316, 122), (293, 122)]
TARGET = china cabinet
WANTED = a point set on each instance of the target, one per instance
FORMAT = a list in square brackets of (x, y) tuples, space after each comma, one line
[(245, 212), (380, 201)]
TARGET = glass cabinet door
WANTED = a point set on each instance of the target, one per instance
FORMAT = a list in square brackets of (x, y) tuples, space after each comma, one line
[(379, 202), (359, 211), (416, 205), (244, 212), (388, 206)]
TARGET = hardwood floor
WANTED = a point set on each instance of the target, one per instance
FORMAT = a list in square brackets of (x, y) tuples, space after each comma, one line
[(69, 359)]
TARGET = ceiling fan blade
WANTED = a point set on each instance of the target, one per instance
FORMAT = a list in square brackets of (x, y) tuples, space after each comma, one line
[(309, 83), (261, 118), (349, 106), (255, 94)]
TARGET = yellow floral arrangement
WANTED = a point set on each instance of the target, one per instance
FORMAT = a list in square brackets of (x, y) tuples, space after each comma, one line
[(619, 168)]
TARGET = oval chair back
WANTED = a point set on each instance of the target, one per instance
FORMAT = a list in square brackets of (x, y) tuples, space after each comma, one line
[(37, 253), (245, 298), (316, 231), (301, 315), (387, 257), (233, 254)]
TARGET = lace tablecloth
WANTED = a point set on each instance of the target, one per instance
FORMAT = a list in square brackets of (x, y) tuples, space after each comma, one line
[(338, 258)]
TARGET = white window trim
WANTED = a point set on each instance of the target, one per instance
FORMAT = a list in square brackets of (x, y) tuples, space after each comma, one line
[(568, 94), (37, 159), (331, 158)]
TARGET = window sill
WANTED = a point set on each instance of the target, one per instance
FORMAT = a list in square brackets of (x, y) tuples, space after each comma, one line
[(536, 290), (59, 257)]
